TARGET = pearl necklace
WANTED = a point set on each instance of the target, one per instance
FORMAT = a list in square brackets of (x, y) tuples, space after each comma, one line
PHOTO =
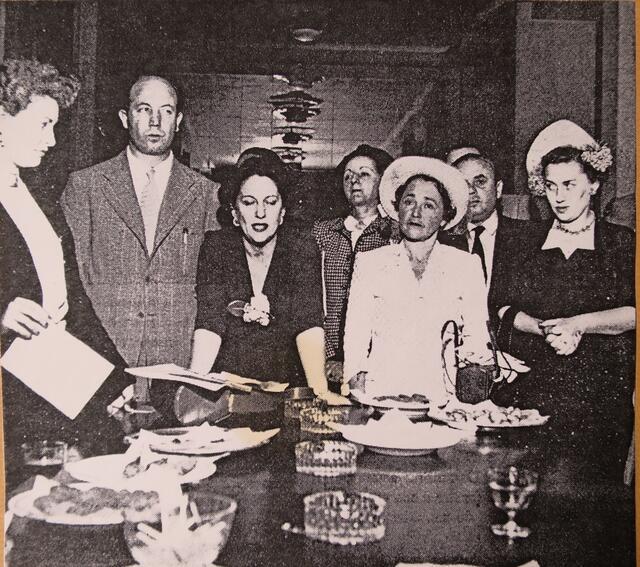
[(579, 231)]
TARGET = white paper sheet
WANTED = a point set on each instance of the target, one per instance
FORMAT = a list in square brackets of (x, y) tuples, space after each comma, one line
[(175, 373), (58, 367)]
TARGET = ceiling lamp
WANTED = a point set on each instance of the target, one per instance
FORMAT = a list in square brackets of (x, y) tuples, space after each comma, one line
[(295, 106), (306, 35), (290, 154), (306, 20), (293, 135)]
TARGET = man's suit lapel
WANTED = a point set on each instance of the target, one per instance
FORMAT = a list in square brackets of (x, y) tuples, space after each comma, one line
[(118, 190), (457, 240), (177, 198)]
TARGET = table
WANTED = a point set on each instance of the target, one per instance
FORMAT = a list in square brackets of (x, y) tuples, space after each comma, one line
[(438, 510)]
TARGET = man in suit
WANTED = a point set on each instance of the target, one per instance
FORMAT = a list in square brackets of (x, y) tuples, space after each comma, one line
[(138, 220), (496, 239)]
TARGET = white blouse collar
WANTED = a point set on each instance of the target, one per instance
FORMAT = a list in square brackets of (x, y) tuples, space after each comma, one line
[(569, 242)]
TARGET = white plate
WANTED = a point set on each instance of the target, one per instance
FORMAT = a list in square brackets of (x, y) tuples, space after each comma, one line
[(427, 438), (23, 505), (176, 441), (483, 422), (413, 408), (107, 471)]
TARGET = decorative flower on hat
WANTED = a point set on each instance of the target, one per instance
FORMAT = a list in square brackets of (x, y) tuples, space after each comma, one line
[(256, 311), (598, 156)]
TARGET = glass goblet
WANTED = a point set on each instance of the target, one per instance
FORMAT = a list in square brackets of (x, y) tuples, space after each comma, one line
[(512, 490)]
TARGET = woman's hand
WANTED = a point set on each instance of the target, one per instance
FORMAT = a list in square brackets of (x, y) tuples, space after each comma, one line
[(563, 334), (25, 317), (510, 366), (334, 399)]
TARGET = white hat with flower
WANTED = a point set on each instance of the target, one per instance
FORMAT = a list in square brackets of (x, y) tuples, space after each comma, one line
[(564, 133), (406, 167)]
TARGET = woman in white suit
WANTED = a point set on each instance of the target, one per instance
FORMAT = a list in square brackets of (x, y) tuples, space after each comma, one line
[(403, 295)]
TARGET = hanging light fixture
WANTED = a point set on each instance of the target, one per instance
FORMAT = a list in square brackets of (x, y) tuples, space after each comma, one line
[(293, 135), (290, 154), (295, 106)]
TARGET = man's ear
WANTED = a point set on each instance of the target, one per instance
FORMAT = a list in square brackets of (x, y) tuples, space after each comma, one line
[(179, 121), (124, 118), (499, 186)]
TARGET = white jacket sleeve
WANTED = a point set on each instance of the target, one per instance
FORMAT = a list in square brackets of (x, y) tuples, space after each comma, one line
[(359, 319), (475, 314)]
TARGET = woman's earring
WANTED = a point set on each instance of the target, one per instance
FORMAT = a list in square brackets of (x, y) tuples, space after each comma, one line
[(235, 222)]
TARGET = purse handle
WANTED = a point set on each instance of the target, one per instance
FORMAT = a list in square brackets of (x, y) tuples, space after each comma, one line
[(456, 344)]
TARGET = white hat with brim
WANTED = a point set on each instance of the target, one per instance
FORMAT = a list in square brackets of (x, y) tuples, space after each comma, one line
[(404, 168), (556, 135)]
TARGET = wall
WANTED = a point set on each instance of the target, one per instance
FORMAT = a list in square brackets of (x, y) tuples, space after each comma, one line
[(225, 114), (624, 209), (555, 78)]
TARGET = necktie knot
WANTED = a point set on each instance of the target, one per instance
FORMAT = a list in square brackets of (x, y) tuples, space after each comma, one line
[(150, 174), (479, 230)]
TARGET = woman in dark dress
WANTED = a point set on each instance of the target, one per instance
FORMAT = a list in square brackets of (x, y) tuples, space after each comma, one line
[(274, 272), (41, 287), (569, 308)]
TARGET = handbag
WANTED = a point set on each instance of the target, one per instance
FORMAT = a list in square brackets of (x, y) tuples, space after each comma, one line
[(474, 382)]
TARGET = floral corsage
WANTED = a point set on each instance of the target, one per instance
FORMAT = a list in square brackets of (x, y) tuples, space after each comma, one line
[(256, 311)]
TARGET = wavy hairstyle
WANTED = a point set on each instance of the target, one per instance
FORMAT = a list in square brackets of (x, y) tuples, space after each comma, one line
[(22, 79)]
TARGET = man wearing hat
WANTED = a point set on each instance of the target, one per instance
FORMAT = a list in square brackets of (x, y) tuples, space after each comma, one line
[(497, 240)]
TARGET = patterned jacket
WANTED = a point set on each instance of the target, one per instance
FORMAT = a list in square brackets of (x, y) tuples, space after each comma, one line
[(146, 302), (338, 256)]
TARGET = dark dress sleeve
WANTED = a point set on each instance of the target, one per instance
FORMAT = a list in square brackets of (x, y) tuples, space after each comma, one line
[(307, 288), (512, 279), (210, 284), (625, 266)]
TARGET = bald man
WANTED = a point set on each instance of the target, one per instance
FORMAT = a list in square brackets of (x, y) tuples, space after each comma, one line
[(138, 221)]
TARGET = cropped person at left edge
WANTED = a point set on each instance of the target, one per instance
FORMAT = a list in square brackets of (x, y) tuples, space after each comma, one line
[(40, 283), (138, 221)]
